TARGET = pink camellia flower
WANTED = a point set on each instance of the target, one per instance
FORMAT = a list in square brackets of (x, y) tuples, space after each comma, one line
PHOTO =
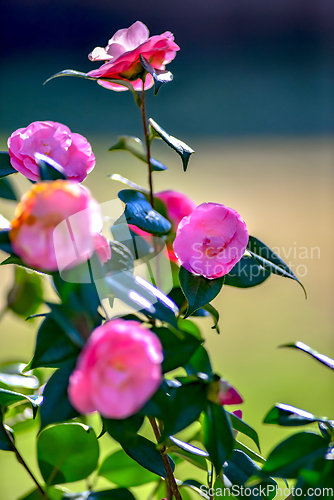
[(72, 151), (211, 240), (122, 56), (118, 370), (55, 225), (227, 394)]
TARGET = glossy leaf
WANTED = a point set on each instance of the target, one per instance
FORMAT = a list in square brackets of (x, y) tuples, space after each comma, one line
[(146, 454), (160, 76), (5, 442), (139, 212), (54, 493), (127, 182), (195, 486), (252, 454), (114, 494), (295, 453), (8, 398), (56, 406), (289, 416), (325, 360), (49, 170), (135, 146), (5, 165), (193, 455), (79, 74), (26, 294), (52, 346), (239, 425), (6, 190), (67, 453), (240, 468), (218, 435), (64, 316), (13, 375), (5, 244), (199, 362), (122, 470), (123, 430), (177, 349), (199, 291), (180, 147), (215, 315), (247, 273)]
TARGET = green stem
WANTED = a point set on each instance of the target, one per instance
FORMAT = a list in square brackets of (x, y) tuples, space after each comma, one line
[(148, 146)]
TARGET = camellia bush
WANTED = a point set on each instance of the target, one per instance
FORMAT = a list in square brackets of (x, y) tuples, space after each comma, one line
[(144, 370)]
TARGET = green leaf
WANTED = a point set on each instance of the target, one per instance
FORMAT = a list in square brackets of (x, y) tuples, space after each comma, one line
[(139, 212), (269, 260), (53, 494), (177, 351), (239, 425), (123, 83), (247, 273), (240, 468), (6, 190), (8, 398), (12, 374), (122, 470), (180, 147), (5, 442), (289, 416), (295, 453), (26, 294), (52, 346), (64, 317), (135, 146), (5, 244), (199, 362), (199, 291), (5, 165), (114, 494), (325, 360), (49, 170), (218, 435), (146, 454), (215, 316), (137, 245), (67, 453), (193, 455), (56, 406), (160, 76), (127, 182), (195, 486), (124, 430), (252, 454), (186, 403)]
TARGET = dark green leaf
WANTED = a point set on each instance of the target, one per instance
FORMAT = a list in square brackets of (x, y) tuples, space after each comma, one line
[(139, 212), (5, 244), (180, 147), (5, 165), (64, 317), (195, 486), (218, 435), (5, 442), (239, 425), (252, 454), (123, 83), (158, 405), (193, 455), (215, 315), (52, 346), (123, 430), (6, 189), (49, 170), (199, 291), (114, 494), (122, 470), (160, 76), (325, 360), (177, 349), (26, 294), (67, 453), (327, 429), (246, 273), (240, 468), (56, 406), (199, 362), (295, 453), (289, 416), (135, 146), (146, 454), (8, 398), (53, 494), (137, 245)]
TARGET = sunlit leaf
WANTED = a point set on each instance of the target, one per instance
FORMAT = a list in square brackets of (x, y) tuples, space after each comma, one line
[(160, 76), (325, 360), (122, 470), (289, 416), (49, 170), (135, 146), (199, 291)]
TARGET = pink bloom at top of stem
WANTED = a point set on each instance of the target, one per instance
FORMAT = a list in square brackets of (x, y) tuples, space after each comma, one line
[(211, 240), (55, 225), (72, 151), (118, 370), (227, 394), (122, 56)]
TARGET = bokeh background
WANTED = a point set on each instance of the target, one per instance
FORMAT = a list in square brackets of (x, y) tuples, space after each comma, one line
[(253, 95)]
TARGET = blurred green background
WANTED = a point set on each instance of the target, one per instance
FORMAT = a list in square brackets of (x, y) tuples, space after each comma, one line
[(253, 95)]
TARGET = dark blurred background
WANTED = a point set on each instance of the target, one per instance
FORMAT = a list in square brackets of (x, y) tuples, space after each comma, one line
[(245, 66)]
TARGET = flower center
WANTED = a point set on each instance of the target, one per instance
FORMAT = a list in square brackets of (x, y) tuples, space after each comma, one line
[(212, 246)]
